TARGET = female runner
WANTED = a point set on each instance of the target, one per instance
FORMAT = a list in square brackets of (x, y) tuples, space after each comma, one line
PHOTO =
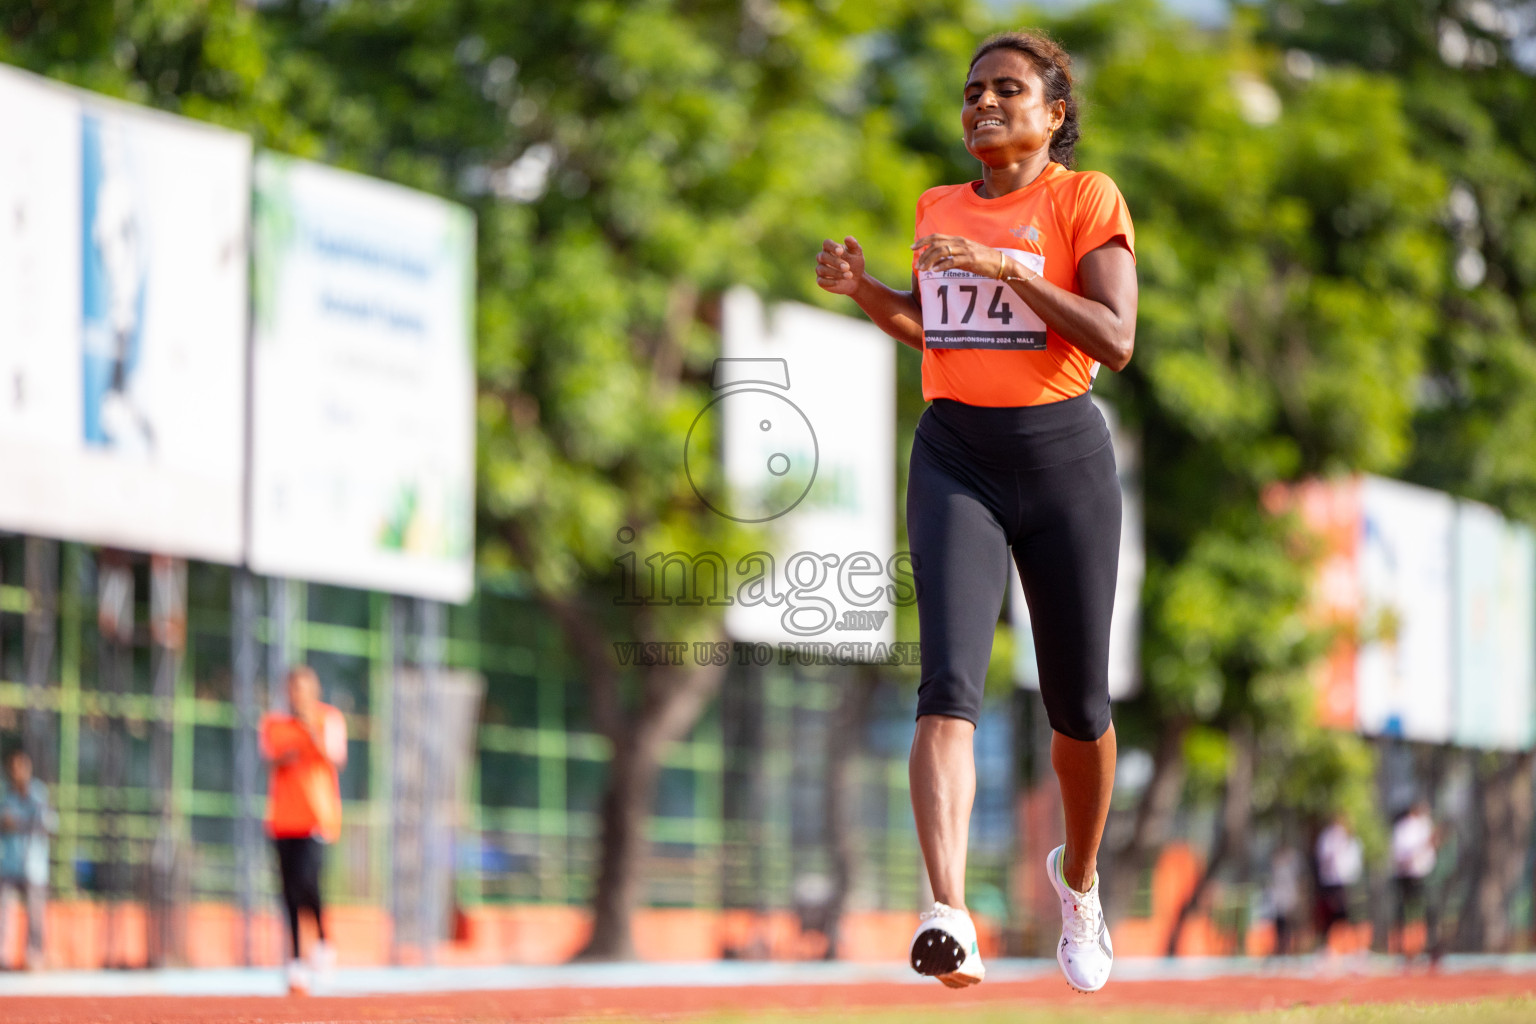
[(1023, 284)]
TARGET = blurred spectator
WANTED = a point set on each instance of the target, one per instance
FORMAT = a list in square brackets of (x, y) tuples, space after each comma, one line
[(1338, 867), (1286, 868), (26, 821), (1414, 839), (307, 748)]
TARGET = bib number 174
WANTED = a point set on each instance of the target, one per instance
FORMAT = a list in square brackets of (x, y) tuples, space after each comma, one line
[(999, 310), (962, 310)]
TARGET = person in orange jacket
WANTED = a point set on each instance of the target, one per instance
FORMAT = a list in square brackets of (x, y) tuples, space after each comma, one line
[(307, 749)]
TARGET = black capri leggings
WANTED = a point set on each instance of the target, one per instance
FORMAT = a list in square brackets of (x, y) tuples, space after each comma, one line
[(298, 862), (1039, 482)]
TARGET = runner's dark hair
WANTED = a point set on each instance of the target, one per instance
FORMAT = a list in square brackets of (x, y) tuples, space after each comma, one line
[(1054, 66)]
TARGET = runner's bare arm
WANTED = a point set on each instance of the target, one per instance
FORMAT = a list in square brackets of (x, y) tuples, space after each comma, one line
[(1101, 321), (326, 736), (273, 749), (896, 313), (840, 270), (334, 737)]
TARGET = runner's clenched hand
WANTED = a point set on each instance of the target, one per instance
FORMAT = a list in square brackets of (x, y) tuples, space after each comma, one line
[(955, 252), (840, 266)]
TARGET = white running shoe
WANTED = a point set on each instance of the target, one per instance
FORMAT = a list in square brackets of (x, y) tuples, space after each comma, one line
[(945, 947), (298, 978), (1085, 954), (322, 958)]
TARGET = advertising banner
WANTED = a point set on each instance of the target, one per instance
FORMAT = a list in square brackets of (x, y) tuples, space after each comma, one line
[(1516, 705), (805, 402), (363, 388), (1406, 667), (123, 303), (1125, 627), (1434, 603), (1331, 509), (1495, 572)]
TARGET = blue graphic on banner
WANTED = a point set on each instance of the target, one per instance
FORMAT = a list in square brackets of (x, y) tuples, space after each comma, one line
[(113, 276)]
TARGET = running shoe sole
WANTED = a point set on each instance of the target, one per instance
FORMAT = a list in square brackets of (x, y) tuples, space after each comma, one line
[(936, 952), (1074, 988)]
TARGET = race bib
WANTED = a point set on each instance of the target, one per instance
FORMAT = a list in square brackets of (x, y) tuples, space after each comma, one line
[(964, 310)]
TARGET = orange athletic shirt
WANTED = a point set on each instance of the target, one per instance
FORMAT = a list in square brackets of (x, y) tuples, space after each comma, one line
[(304, 794), (982, 344)]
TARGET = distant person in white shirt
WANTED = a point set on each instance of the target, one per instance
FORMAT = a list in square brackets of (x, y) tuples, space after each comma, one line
[(1414, 839), (1338, 867)]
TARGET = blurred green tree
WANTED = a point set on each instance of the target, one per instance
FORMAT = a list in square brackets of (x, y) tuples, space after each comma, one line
[(1467, 73), (630, 161), (689, 147)]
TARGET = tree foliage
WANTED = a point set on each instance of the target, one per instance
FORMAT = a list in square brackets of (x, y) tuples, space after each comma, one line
[(1464, 72)]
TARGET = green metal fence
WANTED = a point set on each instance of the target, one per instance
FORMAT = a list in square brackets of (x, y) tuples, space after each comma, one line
[(738, 816)]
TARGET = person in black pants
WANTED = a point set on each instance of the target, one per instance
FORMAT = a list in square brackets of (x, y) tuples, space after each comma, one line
[(307, 748)]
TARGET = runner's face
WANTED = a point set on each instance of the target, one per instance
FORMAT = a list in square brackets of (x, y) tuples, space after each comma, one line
[(1005, 114), (303, 692)]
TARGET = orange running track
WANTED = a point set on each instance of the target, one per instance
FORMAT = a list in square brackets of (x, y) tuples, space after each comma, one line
[(1227, 993)]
